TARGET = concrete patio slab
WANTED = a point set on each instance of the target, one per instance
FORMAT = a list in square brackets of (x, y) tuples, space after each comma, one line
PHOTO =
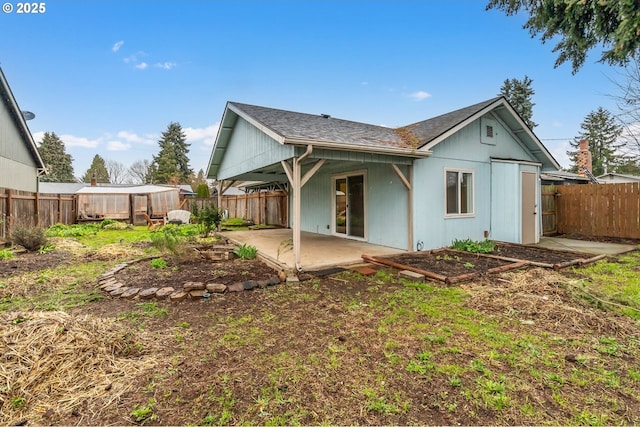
[(317, 251), (598, 248)]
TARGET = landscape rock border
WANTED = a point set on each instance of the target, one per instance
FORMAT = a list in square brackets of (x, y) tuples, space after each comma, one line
[(189, 290)]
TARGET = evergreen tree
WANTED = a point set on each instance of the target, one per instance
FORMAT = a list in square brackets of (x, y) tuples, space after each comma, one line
[(197, 180), (519, 93), (601, 130), (98, 169), (172, 164), (579, 26), (59, 164)]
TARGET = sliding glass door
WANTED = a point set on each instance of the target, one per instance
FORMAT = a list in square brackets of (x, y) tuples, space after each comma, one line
[(349, 205)]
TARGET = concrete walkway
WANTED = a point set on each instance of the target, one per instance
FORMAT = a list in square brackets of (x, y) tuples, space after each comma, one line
[(598, 248), (317, 251), (320, 251)]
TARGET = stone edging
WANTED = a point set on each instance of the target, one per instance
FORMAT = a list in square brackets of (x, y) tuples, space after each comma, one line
[(189, 290)]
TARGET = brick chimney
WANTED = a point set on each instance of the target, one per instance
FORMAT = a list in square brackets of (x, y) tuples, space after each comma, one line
[(583, 159), (94, 180)]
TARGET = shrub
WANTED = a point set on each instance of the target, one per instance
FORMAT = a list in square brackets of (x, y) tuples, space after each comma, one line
[(167, 238), (202, 191), (246, 251), (208, 219), (31, 238)]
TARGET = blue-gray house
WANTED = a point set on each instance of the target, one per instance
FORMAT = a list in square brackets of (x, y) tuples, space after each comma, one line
[(471, 173)]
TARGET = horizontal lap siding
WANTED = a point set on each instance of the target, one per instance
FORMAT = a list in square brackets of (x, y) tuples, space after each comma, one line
[(611, 210)]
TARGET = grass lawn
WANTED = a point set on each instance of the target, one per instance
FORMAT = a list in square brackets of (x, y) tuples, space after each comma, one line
[(528, 347)]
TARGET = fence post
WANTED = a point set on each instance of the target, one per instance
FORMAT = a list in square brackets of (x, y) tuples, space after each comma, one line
[(9, 212)]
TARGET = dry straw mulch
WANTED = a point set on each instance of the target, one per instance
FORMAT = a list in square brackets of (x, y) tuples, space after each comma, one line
[(548, 300), (53, 364)]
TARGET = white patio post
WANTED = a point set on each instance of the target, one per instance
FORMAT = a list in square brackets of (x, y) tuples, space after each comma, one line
[(297, 182), (407, 181)]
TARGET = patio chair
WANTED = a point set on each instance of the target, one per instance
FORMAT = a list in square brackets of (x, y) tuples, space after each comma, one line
[(178, 216), (153, 222)]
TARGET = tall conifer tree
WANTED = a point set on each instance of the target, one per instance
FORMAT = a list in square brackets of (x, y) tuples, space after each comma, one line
[(172, 164), (98, 169), (602, 131), (59, 164), (519, 93)]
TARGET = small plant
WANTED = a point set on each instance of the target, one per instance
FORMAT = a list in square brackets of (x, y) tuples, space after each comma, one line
[(31, 238), (246, 251), (468, 245), (18, 402), (142, 414), (6, 254), (468, 265), (158, 263)]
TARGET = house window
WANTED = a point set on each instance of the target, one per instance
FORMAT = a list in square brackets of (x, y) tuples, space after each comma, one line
[(459, 193)]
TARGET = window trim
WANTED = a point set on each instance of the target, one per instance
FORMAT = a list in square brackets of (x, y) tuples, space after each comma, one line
[(473, 195)]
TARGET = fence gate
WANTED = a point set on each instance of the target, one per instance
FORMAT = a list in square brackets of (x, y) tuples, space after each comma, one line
[(549, 210)]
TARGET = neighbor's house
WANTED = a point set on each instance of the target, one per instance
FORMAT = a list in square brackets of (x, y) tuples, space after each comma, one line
[(20, 162), (471, 173), (617, 178)]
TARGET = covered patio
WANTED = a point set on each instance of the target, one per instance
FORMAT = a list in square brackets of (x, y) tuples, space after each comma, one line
[(316, 251)]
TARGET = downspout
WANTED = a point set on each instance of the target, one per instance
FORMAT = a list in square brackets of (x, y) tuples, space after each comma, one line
[(297, 192)]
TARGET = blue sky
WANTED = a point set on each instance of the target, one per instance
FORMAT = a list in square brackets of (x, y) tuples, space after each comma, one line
[(109, 76)]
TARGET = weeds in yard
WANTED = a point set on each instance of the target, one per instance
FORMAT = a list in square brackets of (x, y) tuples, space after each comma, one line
[(246, 251), (144, 414), (468, 245), (158, 263), (6, 254)]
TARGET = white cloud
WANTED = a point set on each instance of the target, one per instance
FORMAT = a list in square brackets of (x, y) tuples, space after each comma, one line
[(78, 141), (117, 146), (205, 135), (165, 65), (135, 138), (420, 95), (142, 66), (116, 47)]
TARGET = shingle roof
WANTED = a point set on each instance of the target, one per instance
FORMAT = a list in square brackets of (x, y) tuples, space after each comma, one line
[(311, 127), (427, 130)]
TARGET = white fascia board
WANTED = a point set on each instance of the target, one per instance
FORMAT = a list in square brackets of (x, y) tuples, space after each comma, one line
[(403, 152), (463, 123)]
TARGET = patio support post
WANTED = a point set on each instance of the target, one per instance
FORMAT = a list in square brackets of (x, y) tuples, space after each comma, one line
[(220, 190), (297, 181), (407, 181)]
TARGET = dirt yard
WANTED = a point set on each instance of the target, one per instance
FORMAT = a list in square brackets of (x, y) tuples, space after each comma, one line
[(516, 347)]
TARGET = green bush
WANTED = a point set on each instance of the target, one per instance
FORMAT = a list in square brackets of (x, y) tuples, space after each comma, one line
[(167, 238), (246, 251), (31, 238), (468, 245), (208, 219)]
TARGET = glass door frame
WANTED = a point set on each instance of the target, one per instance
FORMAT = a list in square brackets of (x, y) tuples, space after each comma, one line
[(345, 176)]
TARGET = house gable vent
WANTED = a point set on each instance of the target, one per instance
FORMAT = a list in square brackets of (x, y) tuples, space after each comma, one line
[(489, 133)]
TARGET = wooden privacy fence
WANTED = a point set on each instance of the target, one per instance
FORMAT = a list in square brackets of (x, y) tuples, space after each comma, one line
[(261, 207), (22, 208), (604, 210)]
